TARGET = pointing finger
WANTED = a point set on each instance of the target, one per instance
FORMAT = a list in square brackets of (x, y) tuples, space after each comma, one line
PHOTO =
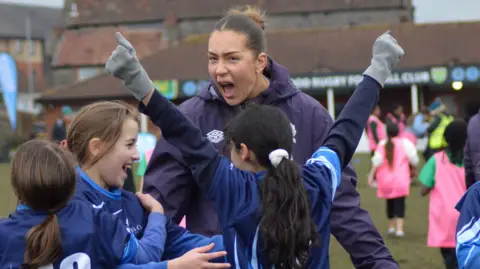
[(122, 41)]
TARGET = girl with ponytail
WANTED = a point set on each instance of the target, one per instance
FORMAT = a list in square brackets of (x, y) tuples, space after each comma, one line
[(272, 213), (50, 229), (391, 164)]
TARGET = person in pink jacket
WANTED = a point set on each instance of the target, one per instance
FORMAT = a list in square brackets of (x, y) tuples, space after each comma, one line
[(375, 129), (391, 167), (397, 117), (443, 177)]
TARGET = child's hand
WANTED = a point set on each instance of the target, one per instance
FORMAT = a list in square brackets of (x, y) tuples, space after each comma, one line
[(198, 258), (149, 203)]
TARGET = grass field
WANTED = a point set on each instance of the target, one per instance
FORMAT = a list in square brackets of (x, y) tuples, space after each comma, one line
[(410, 252)]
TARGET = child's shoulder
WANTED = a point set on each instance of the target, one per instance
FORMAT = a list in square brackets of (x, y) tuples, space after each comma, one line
[(131, 201), (470, 198), (129, 197), (474, 189)]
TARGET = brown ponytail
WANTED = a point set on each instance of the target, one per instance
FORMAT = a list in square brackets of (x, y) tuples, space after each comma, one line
[(392, 131), (43, 243), (43, 178)]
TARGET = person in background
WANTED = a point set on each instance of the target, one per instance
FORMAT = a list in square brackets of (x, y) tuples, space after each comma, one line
[(472, 151), (237, 79), (443, 177), (391, 166), (375, 129), (396, 116), (59, 129), (417, 125), (421, 123), (375, 132), (441, 119)]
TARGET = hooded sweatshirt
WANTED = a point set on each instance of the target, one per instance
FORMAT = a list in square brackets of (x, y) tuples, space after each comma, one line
[(169, 180)]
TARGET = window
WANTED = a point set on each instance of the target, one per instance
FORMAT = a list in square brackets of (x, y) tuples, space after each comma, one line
[(86, 72), (19, 46)]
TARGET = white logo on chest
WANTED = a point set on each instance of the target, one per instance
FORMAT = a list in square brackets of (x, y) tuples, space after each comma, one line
[(215, 136)]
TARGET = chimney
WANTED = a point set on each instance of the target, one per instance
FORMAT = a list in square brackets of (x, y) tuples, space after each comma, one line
[(70, 11)]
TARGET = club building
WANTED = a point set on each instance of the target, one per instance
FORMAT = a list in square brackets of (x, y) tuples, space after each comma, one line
[(441, 60)]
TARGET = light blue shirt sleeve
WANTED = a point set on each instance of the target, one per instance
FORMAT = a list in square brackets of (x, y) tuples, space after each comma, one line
[(419, 126), (327, 158), (150, 247), (151, 265)]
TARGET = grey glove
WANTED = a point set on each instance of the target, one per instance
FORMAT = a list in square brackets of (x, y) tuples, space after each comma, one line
[(386, 55), (124, 64)]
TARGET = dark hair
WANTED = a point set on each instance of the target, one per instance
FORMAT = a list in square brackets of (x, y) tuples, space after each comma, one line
[(286, 227), (392, 131), (394, 107), (43, 178), (243, 24), (456, 135)]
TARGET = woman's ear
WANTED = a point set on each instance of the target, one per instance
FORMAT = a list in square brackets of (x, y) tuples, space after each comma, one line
[(262, 61)]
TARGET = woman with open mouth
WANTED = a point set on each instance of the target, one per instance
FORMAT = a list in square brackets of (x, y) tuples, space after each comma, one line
[(241, 72)]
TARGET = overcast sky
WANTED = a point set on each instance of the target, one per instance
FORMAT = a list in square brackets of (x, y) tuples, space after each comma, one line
[(426, 10)]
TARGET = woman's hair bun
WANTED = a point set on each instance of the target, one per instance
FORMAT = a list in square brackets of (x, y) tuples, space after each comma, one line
[(252, 12)]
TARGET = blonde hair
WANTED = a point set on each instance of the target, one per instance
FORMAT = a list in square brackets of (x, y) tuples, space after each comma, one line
[(253, 12)]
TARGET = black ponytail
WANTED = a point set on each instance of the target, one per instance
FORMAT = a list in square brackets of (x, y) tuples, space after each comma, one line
[(286, 228)]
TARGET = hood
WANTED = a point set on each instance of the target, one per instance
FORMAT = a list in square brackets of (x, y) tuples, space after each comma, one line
[(281, 87)]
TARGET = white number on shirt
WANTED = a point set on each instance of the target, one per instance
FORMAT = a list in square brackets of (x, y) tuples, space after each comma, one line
[(80, 259)]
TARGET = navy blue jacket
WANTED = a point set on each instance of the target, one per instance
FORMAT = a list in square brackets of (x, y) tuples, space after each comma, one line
[(235, 193), (89, 237), (127, 208), (472, 151), (168, 179)]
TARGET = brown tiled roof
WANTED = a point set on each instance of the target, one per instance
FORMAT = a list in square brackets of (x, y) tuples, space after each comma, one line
[(114, 11), (284, 6), (99, 87), (344, 49), (338, 50), (93, 46)]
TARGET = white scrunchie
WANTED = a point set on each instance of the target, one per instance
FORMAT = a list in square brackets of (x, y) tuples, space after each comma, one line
[(277, 156)]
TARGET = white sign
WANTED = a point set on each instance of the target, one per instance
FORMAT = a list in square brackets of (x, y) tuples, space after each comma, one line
[(352, 80)]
